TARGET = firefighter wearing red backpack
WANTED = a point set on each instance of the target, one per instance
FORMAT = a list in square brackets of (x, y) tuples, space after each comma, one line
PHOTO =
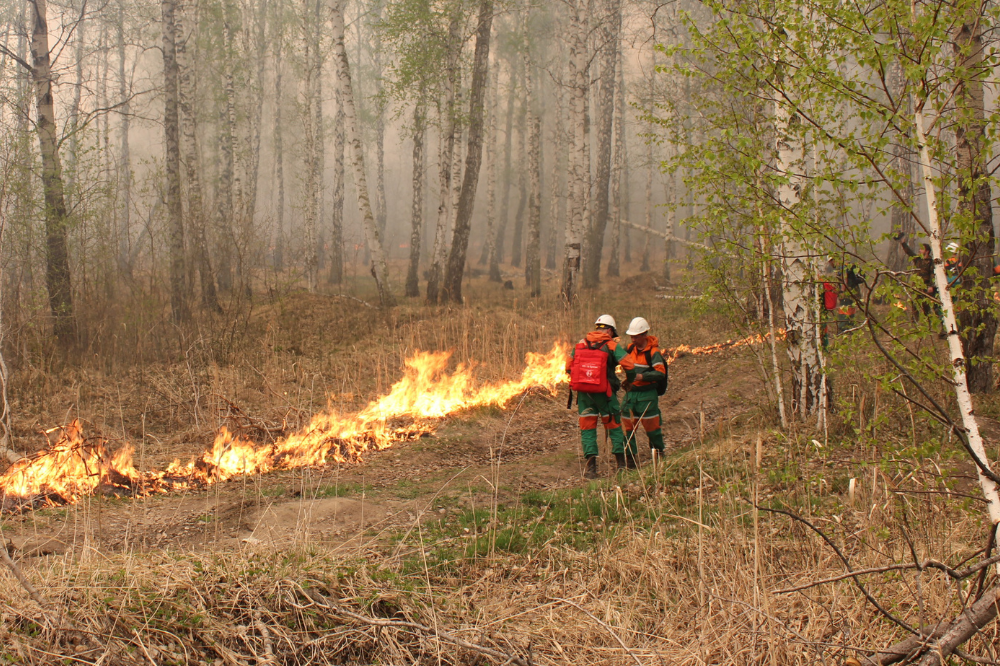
[(591, 368), (645, 381)]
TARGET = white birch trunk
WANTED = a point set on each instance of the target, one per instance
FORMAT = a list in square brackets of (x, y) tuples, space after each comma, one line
[(532, 262), (798, 289), (446, 150), (955, 351), (491, 166), (372, 236), (124, 155), (578, 182), (186, 93)]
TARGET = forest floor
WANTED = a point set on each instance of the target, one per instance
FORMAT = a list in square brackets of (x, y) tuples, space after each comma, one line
[(483, 528)]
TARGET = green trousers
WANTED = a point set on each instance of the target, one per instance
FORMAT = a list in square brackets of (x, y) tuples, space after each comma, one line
[(594, 406), (642, 407)]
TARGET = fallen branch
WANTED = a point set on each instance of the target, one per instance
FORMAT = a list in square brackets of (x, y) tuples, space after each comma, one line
[(664, 235), (928, 564), (326, 605), (964, 627)]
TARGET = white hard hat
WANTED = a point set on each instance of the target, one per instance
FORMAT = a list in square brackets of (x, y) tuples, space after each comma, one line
[(607, 320), (637, 326), (952, 247)]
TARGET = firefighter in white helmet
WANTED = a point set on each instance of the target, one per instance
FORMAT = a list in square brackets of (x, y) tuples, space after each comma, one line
[(591, 367), (645, 381)]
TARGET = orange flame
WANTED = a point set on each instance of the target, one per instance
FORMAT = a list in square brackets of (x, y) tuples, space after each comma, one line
[(686, 350), (74, 467)]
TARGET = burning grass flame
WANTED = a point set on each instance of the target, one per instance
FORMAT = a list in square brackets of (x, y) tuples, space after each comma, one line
[(75, 466)]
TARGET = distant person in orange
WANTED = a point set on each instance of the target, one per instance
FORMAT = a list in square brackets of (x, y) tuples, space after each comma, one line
[(645, 382), (591, 369)]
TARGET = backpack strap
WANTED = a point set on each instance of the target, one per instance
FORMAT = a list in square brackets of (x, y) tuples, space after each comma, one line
[(646, 353)]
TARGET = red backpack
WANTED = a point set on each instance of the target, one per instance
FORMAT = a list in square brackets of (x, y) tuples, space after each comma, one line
[(589, 371)]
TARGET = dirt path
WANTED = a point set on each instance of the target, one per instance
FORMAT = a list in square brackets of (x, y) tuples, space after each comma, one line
[(533, 445)]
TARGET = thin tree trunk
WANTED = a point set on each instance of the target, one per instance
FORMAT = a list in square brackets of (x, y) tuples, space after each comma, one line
[(124, 155), (417, 205), (172, 163), (311, 149), (617, 164), (648, 218), (963, 395), (473, 157), (227, 147), (253, 175), (57, 273), (489, 241), (279, 157), (372, 236), (186, 93), (517, 241), (72, 164), (533, 263), (445, 154), (605, 115), (670, 194), (337, 215), (578, 181), (901, 215), (504, 216), (798, 290), (978, 316), (556, 197)]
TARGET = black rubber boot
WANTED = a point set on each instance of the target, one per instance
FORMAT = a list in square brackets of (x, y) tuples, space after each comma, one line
[(590, 471), (620, 459), (630, 461)]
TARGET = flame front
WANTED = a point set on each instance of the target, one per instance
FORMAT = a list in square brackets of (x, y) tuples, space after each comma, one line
[(75, 467)]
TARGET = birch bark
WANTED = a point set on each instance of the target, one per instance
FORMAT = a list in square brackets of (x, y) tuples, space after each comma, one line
[(372, 235), (446, 151), (57, 271), (186, 93), (963, 395), (609, 33), (124, 154), (578, 180), (417, 202), (533, 263), (617, 163), (977, 317), (337, 214), (172, 163), (473, 155), (798, 288), (489, 244)]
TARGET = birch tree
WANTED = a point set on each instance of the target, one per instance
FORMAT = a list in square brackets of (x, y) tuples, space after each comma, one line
[(172, 163), (191, 160), (417, 201), (474, 154), (372, 235), (978, 316), (446, 149), (610, 21), (57, 270), (578, 179)]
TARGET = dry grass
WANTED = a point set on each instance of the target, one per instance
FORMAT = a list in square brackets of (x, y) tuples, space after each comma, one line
[(673, 568), (678, 571)]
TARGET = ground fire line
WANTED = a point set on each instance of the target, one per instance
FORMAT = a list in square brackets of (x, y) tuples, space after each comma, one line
[(74, 466)]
